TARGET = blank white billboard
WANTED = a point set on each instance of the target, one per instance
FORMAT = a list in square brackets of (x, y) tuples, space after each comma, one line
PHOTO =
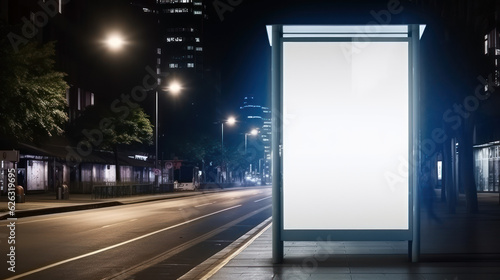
[(345, 136)]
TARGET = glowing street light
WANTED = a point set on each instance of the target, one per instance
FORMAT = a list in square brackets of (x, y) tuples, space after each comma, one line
[(175, 87), (253, 132), (230, 121), (115, 42)]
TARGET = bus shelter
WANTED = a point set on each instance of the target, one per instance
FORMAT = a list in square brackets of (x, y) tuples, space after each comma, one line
[(345, 130)]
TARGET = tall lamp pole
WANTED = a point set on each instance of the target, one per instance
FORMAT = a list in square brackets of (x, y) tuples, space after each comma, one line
[(174, 88), (253, 132), (157, 182), (230, 121)]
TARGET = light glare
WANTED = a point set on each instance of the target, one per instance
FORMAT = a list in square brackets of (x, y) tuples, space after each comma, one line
[(231, 120), (175, 87), (115, 42)]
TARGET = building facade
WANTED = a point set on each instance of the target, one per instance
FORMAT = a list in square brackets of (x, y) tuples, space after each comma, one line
[(257, 116)]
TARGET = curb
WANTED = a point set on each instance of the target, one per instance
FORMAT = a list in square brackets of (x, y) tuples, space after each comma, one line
[(88, 206), (212, 265), (62, 209)]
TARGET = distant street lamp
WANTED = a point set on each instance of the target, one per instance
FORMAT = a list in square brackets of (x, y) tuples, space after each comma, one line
[(230, 121), (174, 88), (253, 132), (115, 42)]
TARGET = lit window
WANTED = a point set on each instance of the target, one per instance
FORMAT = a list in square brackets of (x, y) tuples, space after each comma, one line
[(189, 48), (190, 65), (158, 50), (486, 44), (199, 49), (197, 12), (173, 65), (197, 40)]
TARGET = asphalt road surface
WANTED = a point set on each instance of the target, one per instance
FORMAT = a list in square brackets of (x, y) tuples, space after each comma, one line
[(153, 240)]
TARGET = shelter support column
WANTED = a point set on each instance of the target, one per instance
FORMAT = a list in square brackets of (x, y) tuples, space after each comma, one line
[(276, 93)]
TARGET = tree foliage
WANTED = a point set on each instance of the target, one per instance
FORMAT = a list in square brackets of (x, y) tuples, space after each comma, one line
[(105, 129), (33, 94)]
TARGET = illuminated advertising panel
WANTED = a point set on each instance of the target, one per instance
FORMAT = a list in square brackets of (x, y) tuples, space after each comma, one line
[(345, 134)]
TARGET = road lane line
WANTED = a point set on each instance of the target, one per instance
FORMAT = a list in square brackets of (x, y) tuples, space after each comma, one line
[(106, 226), (117, 245), (201, 205), (129, 273), (263, 198)]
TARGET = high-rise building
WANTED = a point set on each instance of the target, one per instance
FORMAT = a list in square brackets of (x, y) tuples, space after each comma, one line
[(181, 56), (180, 33), (256, 116)]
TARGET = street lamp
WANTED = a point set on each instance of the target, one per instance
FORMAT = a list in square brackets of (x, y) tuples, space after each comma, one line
[(230, 121), (174, 88), (252, 132), (115, 42)]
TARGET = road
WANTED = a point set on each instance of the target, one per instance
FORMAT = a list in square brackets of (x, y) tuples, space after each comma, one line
[(154, 240)]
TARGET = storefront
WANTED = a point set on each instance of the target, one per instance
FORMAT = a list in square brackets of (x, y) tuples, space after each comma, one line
[(487, 167)]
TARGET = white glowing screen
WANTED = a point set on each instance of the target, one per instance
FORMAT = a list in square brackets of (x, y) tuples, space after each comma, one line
[(345, 135)]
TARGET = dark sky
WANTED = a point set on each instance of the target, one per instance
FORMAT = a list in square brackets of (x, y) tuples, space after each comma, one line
[(236, 41)]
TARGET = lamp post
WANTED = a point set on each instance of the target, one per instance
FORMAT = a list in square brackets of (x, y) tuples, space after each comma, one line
[(174, 88), (252, 132), (230, 121), (114, 43)]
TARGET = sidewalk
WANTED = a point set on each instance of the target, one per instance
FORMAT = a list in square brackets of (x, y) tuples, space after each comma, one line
[(46, 203), (347, 260), (460, 247)]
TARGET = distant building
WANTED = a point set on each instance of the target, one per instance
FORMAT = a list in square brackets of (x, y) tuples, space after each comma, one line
[(257, 116), (181, 56), (180, 33)]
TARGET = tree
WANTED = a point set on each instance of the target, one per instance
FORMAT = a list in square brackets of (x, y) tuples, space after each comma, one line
[(33, 94), (104, 129)]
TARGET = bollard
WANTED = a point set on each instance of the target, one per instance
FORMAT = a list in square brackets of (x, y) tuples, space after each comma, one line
[(59, 192), (20, 197), (65, 192)]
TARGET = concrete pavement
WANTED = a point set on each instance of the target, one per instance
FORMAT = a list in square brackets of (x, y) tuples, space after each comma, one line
[(461, 246)]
